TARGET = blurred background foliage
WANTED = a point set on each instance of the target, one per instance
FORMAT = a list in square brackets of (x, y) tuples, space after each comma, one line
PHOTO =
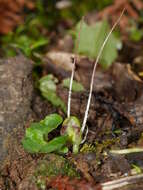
[(33, 25), (80, 8)]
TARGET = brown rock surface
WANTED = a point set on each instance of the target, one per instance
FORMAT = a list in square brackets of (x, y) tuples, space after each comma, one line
[(16, 91)]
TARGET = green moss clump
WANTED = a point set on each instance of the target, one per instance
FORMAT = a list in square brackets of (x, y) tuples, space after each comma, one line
[(53, 165), (87, 148)]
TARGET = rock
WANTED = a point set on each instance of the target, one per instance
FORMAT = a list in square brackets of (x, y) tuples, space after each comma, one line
[(16, 91)]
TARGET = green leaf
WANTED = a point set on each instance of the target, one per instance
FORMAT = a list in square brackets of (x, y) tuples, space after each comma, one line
[(39, 43), (47, 83), (136, 34), (91, 40), (54, 145), (27, 38), (36, 131), (27, 44), (63, 150), (47, 86), (31, 145), (54, 99), (76, 86), (34, 140), (51, 122)]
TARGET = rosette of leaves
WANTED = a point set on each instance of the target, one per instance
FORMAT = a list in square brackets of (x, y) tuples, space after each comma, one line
[(36, 136)]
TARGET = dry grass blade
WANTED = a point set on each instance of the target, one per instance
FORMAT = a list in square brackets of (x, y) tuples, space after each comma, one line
[(122, 182)]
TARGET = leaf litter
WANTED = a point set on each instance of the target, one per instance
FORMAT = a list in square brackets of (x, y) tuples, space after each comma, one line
[(109, 118)]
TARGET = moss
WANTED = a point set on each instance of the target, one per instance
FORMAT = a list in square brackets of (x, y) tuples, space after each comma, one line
[(53, 165), (98, 147), (86, 148), (41, 182)]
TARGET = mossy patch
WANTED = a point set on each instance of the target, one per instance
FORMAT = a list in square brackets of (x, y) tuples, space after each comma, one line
[(53, 165)]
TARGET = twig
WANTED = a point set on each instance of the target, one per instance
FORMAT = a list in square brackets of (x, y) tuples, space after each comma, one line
[(73, 69), (127, 151), (93, 73), (121, 182)]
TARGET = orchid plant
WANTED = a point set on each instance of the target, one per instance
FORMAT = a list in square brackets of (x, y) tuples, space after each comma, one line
[(72, 132)]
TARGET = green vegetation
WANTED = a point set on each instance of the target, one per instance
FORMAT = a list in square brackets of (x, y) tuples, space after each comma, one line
[(31, 37), (47, 86), (95, 35), (87, 148), (80, 8), (53, 165), (36, 137), (72, 128), (136, 34), (26, 38), (136, 169), (76, 86)]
